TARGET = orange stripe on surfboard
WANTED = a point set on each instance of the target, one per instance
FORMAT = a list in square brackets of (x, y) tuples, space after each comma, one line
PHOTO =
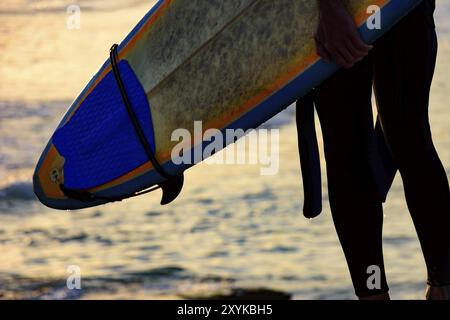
[(238, 112)]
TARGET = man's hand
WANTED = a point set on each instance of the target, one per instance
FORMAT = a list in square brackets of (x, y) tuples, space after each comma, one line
[(337, 35)]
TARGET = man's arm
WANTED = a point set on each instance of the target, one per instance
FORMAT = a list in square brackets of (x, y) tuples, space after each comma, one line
[(337, 35)]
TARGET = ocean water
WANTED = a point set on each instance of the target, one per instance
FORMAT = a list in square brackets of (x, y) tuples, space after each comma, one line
[(231, 228)]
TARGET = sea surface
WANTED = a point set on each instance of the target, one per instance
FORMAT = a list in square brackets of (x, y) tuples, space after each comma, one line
[(231, 228)]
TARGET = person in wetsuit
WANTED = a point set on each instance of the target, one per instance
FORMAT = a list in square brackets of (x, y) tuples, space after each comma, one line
[(400, 66)]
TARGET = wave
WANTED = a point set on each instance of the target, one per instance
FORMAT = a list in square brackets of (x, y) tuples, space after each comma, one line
[(173, 280), (20, 190)]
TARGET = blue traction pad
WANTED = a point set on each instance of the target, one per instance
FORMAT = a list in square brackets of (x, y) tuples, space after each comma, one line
[(99, 142)]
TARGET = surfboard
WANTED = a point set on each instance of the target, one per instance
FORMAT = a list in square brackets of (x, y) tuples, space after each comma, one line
[(230, 64)]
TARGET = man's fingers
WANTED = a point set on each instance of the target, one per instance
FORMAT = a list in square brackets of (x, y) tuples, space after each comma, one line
[(344, 56), (322, 52), (357, 52), (342, 61), (346, 52), (358, 43)]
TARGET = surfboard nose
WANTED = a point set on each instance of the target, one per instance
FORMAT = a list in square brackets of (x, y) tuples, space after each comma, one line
[(99, 142)]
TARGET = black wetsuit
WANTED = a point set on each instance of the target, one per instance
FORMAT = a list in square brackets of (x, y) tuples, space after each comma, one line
[(401, 67)]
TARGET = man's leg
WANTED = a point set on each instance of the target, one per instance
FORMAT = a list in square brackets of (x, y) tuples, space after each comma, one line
[(404, 65), (343, 104)]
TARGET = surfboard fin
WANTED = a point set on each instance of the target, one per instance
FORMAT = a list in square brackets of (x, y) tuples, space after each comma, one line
[(171, 188)]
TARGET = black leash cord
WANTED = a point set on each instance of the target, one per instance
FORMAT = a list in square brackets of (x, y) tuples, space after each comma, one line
[(86, 196), (132, 115)]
